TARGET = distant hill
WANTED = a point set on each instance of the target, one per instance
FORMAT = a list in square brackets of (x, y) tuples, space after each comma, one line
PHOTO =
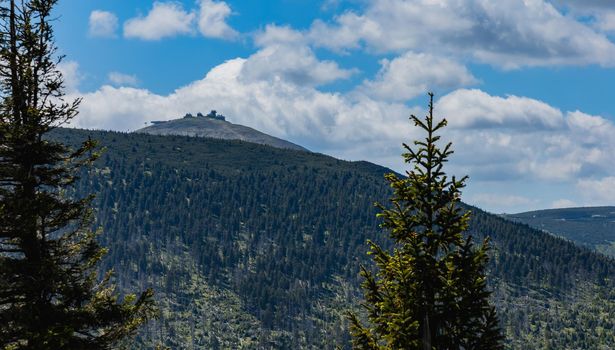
[(215, 126), (590, 226), (254, 247)]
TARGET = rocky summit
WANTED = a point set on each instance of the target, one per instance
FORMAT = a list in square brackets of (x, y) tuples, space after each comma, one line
[(216, 126)]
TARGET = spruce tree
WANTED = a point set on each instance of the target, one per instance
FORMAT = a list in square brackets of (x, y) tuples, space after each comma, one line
[(430, 292), (51, 296)]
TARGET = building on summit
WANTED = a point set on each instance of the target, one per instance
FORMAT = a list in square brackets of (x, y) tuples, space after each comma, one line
[(213, 115)]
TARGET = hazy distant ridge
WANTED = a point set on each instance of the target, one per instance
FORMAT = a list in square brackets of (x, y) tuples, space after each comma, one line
[(589, 226)]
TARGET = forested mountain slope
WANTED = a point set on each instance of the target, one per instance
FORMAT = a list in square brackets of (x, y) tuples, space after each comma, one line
[(590, 226), (250, 246)]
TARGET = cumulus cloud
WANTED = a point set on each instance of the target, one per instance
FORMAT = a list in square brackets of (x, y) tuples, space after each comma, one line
[(514, 138), (605, 21), (278, 35), (165, 19), (71, 75), (506, 202), (392, 25), (507, 33), (284, 56), (586, 4), (563, 203), (338, 124), (411, 74), (102, 24), (600, 14), (594, 128), (121, 79), (475, 109), (598, 191), (296, 64), (212, 20), (169, 19)]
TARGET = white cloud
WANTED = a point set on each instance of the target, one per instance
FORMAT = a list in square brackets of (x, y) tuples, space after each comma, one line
[(598, 13), (123, 108), (562, 167), (563, 203), (340, 125), (585, 6), (296, 64), (506, 33), (103, 24), (121, 79), (514, 138), (278, 35), (166, 19), (412, 74), (506, 202), (71, 75), (605, 21), (593, 129), (393, 25), (475, 109), (599, 191), (283, 55), (212, 20)]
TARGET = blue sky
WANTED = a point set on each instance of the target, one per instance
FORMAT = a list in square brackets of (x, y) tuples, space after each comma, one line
[(527, 86)]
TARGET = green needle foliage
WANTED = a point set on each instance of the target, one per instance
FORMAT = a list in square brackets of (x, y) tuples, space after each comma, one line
[(430, 292), (50, 293)]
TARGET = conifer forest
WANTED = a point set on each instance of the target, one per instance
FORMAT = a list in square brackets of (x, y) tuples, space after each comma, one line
[(197, 233)]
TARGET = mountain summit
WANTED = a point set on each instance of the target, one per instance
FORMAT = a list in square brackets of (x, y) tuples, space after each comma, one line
[(216, 126)]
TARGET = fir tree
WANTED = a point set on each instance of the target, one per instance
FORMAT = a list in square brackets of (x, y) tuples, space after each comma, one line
[(430, 292), (50, 293)]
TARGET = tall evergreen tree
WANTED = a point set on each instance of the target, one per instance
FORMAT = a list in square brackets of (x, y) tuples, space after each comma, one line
[(50, 295), (430, 292)]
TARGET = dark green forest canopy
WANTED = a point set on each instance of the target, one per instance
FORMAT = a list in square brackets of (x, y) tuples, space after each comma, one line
[(280, 234)]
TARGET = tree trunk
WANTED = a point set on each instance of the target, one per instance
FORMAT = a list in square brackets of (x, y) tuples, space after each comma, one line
[(426, 333)]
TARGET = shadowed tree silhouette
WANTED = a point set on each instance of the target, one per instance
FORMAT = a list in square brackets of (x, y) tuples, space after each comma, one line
[(50, 294)]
